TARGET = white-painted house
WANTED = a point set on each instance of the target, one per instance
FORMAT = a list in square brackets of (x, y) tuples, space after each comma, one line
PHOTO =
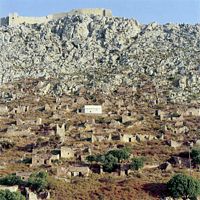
[(92, 109)]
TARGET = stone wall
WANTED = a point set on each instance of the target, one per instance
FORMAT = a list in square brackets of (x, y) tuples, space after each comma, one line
[(15, 19), (92, 11), (59, 15)]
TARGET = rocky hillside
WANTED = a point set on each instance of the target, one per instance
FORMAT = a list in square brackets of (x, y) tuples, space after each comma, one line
[(104, 53)]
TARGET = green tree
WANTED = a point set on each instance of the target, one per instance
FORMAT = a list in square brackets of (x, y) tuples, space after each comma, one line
[(183, 186), (110, 159), (7, 195), (110, 163), (11, 180), (137, 163), (120, 154), (38, 181)]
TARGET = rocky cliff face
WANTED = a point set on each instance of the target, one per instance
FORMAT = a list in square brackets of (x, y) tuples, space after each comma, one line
[(105, 53)]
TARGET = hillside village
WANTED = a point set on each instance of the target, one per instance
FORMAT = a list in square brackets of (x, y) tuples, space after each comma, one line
[(68, 109)]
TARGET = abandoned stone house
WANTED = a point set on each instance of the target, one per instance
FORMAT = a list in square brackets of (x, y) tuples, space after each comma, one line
[(43, 159), (20, 109), (127, 118), (24, 175), (143, 138), (160, 114), (192, 112), (12, 131), (39, 160), (81, 171), (100, 138), (127, 138), (181, 130), (3, 109), (123, 170), (174, 144), (66, 152), (73, 171), (20, 122)]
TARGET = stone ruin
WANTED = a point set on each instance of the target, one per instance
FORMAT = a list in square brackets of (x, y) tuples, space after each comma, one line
[(14, 19)]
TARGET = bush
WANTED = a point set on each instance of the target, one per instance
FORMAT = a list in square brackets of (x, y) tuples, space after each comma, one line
[(183, 186), (38, 181), (195, 155), (120, 154), (11, 180), (110, 159), (91, 158), (7, 195), (137, 163), (110, 163)]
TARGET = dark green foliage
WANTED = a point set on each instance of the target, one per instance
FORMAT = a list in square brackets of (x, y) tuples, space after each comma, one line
[(110, 159), (91, 158), (27, 160), (38, 181), (120, 154), (195, 155), (183, 186), (11, 180), (196, 160), (110, 163), (7, 195), (137, 163)]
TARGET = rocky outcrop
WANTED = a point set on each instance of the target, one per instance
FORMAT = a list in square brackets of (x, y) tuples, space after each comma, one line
[(103, 52)]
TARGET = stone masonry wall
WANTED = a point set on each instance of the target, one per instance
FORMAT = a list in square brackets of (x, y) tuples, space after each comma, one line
[(93, 11), (15, 19)]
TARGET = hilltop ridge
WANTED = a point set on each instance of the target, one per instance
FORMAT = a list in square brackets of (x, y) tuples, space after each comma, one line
[(105, 53)]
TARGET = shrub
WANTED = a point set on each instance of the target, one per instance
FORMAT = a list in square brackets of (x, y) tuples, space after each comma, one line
[(183, 186), (26, 160), (38, 181), (120, 154), (11, 180), (195, 155), (91, 158), (110, 159), (110, 163), (7, 195), (137, 163)]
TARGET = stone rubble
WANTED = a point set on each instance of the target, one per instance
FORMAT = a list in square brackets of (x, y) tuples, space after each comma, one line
[(102, 52)]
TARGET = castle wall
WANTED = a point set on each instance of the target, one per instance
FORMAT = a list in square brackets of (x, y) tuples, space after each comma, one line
[(59, 15), (92, 11), (15, 19)]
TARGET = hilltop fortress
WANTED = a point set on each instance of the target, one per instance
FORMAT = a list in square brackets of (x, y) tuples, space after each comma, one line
[(14, 19)]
